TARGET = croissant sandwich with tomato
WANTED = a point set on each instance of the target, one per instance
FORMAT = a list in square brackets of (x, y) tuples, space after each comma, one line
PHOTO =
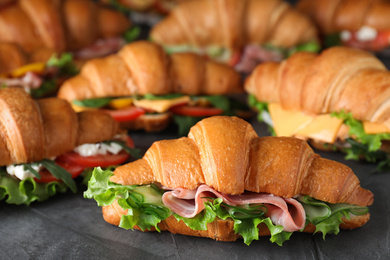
[(363, 24), (241, 33), (224, 182), (44, 144), (142, 87), (338, 99)]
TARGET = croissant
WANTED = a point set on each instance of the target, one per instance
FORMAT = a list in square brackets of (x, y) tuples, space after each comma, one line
[(237, 26), (306, 88), (141, 68), (363, 24), (224, 155), (58, 26)]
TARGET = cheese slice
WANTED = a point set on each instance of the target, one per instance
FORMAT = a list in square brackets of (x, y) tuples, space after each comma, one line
[(288, 122), (161, 105), (323, 128), (375, 128), (32, 67)]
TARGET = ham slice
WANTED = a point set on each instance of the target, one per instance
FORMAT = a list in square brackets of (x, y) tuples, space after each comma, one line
[(287, 212), (100, 48), (29, 81)]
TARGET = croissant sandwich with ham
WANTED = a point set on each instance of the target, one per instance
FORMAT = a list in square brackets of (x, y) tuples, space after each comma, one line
[(241, 33), (363, 24), (43, 27), (224, 182), (44, 144), (338, 99), (142, 87)]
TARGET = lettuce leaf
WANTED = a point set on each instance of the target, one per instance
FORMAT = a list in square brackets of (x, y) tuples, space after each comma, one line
[(312, 46), (25, 192), (143, 203), (362, 144), (262, 108), (327, 217)]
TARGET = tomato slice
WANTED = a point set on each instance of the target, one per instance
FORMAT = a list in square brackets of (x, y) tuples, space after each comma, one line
[(74, 170), (102, 160), (196, 111), (125, 114), (235, 58)]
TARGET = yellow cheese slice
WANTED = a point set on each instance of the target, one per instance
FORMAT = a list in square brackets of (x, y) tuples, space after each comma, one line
[(375, 128), (323, 128), (161, 105), (33, 67), (119, 103), (77, 108), (287, 122)]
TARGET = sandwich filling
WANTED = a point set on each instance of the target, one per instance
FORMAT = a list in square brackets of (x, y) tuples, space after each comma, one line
[(338, 130), (147, 205), (41, 79), (186, 110), (245, 60), (366, 38), (25, 183)]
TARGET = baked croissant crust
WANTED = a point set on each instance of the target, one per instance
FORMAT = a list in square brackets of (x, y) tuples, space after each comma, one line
[(58, 26), (143, 67), (234, 24), (226, 154), (33, 130), (338, 79), (338, 15)]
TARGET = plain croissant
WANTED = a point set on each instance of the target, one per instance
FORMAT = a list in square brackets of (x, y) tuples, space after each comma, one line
[(227, 154), (33, 130), (234, 24), (57, 26), (340, 78), (142, 67)]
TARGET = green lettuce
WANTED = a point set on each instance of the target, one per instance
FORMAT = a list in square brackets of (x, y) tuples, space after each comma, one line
[(261, 108), (25, 192), (145, 209), (327, 217), (363, 145)]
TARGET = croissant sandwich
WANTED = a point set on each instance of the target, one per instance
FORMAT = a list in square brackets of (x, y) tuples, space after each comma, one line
[(39, 79), (43, 27), (225, 182), (44, 144), (363, 24), (142, 87), (337, 100), (241, 33)]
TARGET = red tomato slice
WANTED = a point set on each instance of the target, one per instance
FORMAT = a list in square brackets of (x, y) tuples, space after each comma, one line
[(74, 170), (102, 160), (125, 114), (235, 58), (196, 111)]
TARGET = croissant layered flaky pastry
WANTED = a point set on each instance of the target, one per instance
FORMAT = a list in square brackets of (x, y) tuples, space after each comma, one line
[(142, 68), (337, 97), (363, 24), (43, 27), (224, 157), (41, 135), (241, 33)]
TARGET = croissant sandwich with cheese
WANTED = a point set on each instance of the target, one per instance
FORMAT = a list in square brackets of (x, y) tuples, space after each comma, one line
[(363, 24), (142, 87), (241, 33), (43, 27), (225, 182), (44, 144), (337, 99)]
